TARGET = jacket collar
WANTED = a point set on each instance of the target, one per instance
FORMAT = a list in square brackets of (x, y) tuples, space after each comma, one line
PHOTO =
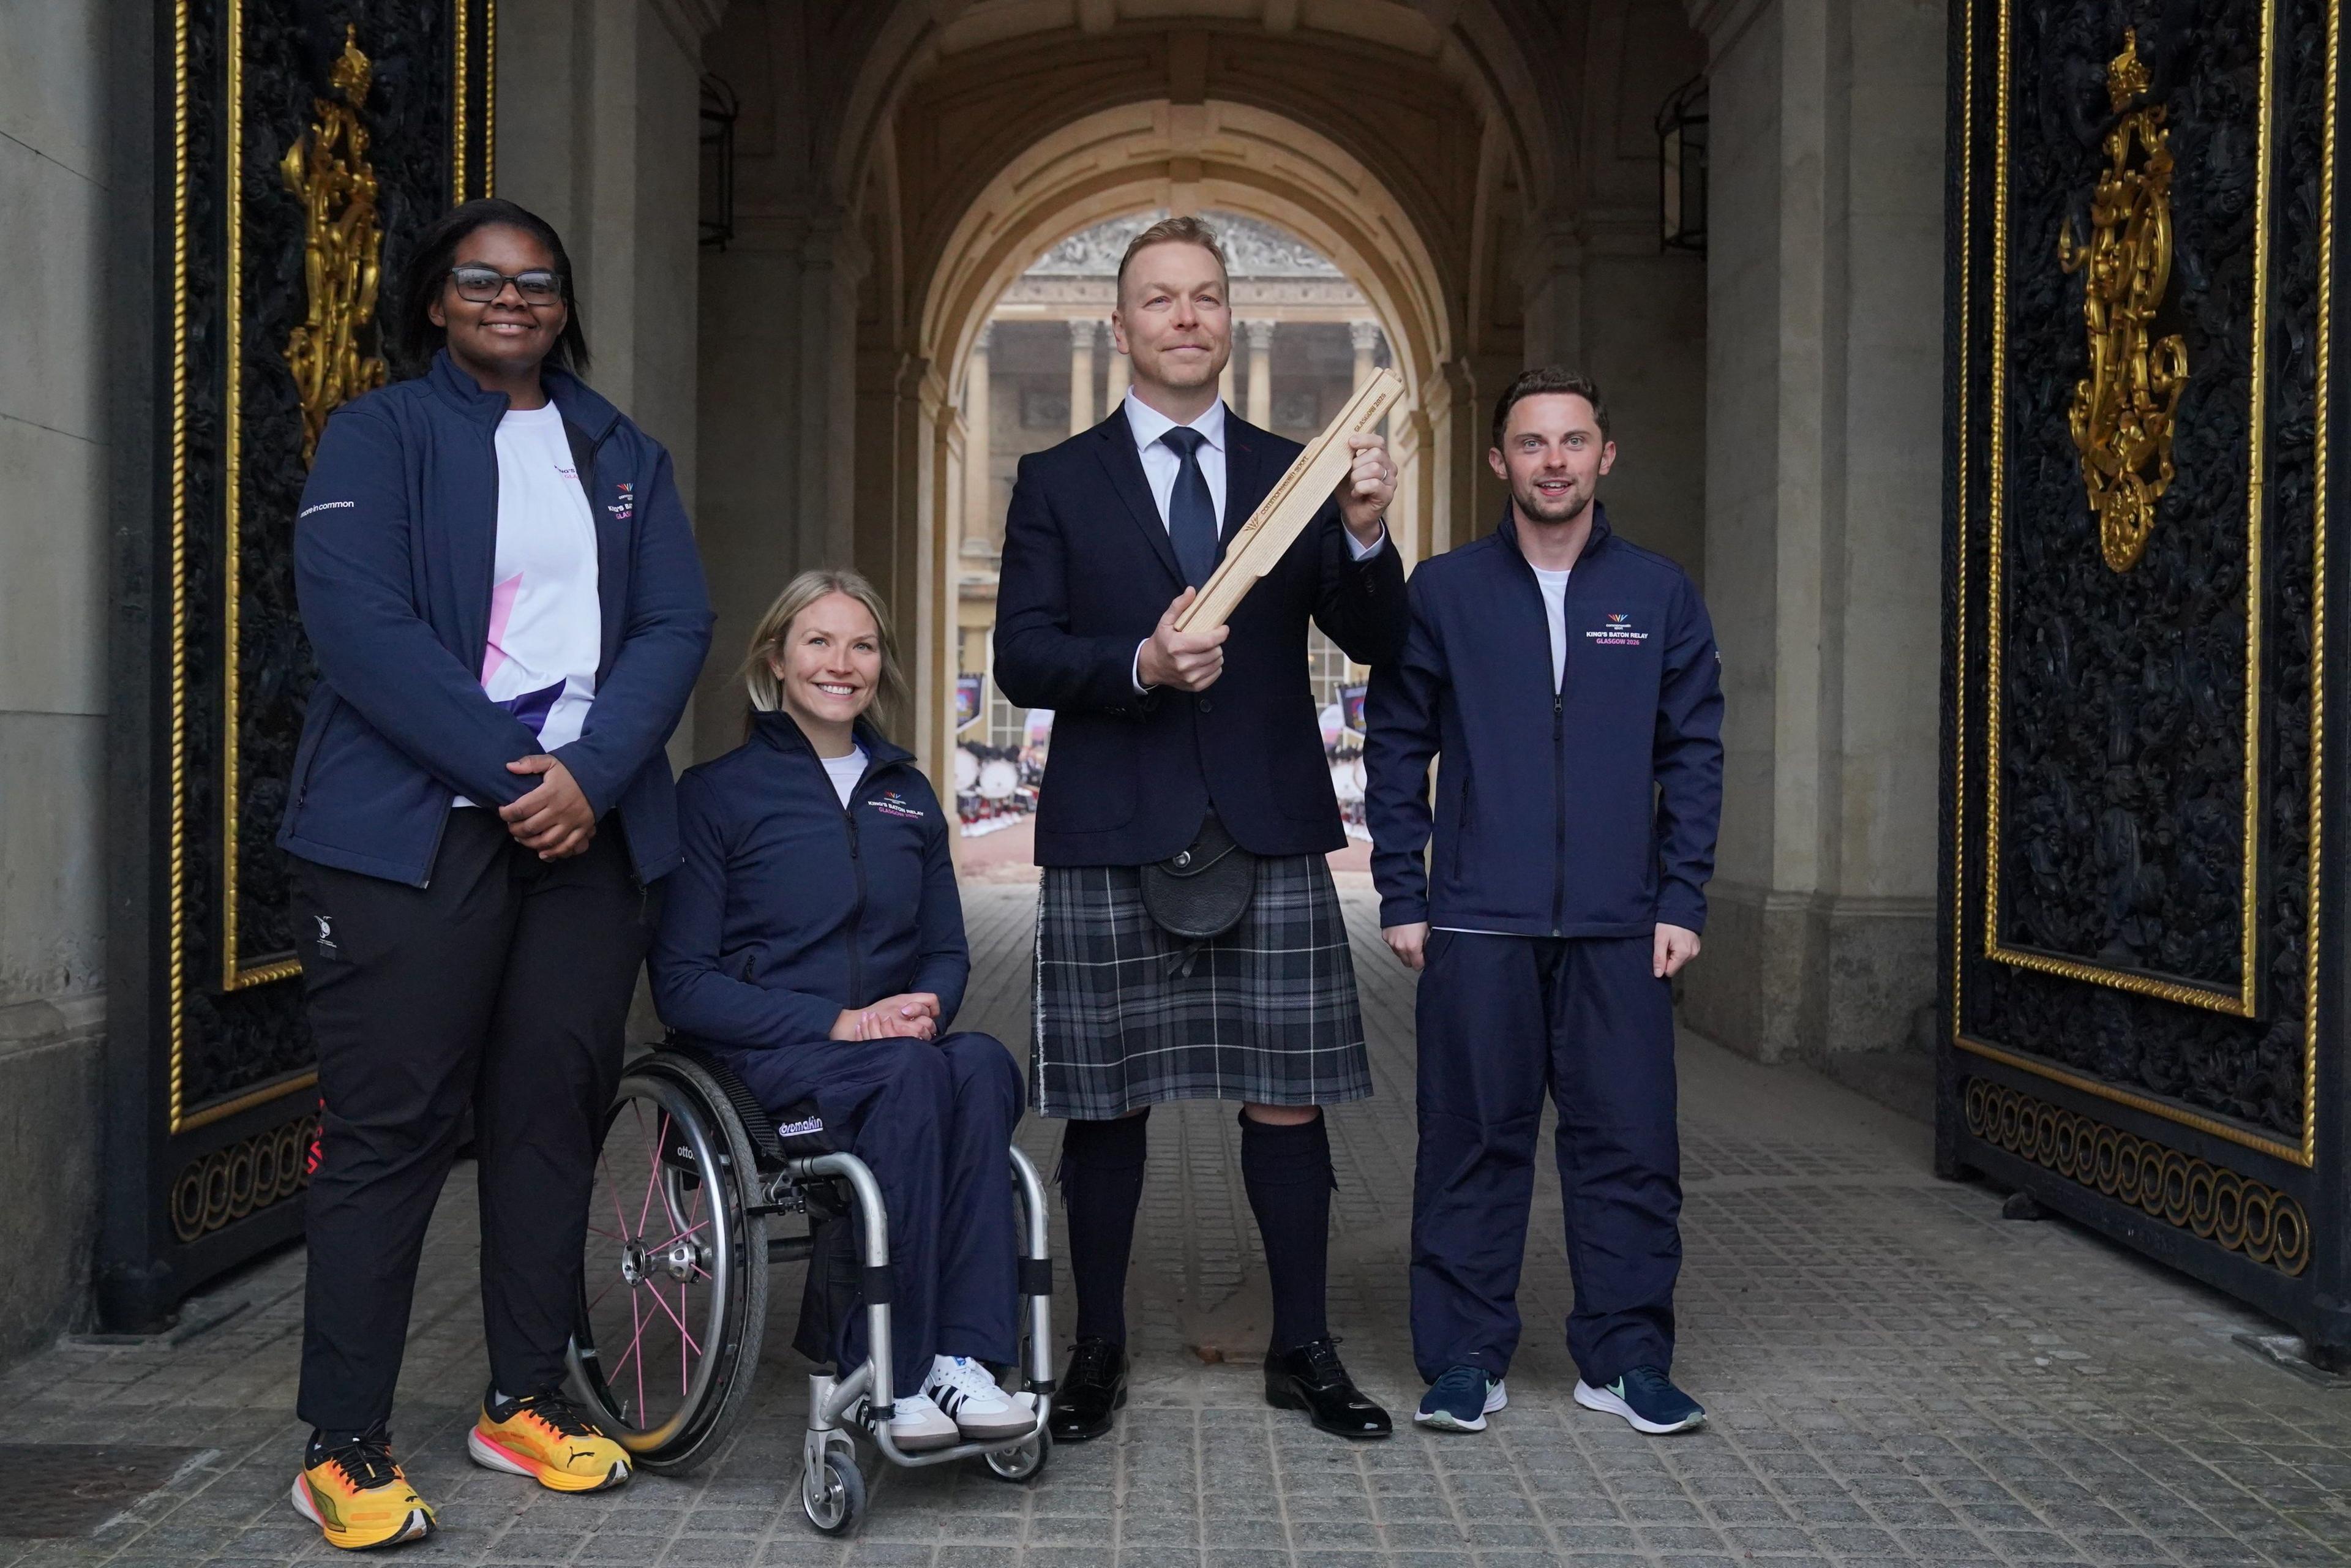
[(780, 730), (1600, 532), (580, 405)]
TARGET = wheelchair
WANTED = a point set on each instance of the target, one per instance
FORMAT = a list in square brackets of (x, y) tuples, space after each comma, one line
[(697, 1191)]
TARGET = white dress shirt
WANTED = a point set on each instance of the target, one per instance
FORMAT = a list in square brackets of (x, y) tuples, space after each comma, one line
[(1161, 466)]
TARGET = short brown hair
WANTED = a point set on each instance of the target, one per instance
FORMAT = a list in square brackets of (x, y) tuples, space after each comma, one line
[(1176, 231), (1547, 379)]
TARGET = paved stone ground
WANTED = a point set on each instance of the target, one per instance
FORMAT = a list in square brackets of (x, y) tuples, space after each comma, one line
[(1895, 1376)]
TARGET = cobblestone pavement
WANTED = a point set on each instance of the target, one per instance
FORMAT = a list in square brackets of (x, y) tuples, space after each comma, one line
[(1895, 1376)]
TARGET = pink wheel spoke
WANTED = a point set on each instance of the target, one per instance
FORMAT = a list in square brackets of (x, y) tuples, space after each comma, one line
[(684, 1367), (635, 1345), (653, 1177), (659, 1246), (685, 1332), (607, 1235), (601, 1294)]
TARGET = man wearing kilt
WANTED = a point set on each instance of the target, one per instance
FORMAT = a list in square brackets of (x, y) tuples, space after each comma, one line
[(1187, 792)]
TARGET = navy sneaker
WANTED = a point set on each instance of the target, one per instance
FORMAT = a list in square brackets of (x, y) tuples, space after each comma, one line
[(1461, 1400), (1645, 1398)]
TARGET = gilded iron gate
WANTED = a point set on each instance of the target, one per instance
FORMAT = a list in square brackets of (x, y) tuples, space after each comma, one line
[(302, 145), (2142, 633)]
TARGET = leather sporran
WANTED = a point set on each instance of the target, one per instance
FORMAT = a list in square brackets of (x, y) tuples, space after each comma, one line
[(1202, 890)]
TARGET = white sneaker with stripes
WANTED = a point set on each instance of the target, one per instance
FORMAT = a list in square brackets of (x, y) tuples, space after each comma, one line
[(967, 1391)]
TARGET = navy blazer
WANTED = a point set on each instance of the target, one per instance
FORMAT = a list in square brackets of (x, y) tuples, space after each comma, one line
[(1088, 570), (1586, 811), (394, 552), (790, 910)]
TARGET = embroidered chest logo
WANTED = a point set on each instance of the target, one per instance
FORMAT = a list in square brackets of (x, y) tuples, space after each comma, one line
[(327, 946), (624, 504), (890, 803), (1618, 632)]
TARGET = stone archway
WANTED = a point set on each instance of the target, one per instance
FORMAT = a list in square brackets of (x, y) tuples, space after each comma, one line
[(1229, 156)]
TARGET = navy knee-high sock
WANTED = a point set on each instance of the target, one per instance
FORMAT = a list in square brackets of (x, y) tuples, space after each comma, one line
[(1101, 1186), (1287, 1171)]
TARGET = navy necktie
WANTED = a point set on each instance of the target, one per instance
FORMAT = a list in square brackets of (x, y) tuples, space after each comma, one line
[(1191, 511)]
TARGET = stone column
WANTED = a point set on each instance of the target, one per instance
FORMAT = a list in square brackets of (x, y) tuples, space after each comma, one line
[(1081, 376), (1117, 373), (1225, 383), (1260, 387), (1365, 337), (600, 132), (1823, 442), (981, 522), (780, 305)]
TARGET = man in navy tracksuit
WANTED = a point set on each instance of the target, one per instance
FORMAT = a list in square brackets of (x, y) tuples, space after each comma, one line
[(1570, 682)]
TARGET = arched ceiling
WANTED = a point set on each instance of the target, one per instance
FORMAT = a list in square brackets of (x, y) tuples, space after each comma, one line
[(1491, 53), (1234, 156)]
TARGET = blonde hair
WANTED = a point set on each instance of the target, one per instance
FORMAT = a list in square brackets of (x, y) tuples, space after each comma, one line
[(768, 638), (1175, 231)]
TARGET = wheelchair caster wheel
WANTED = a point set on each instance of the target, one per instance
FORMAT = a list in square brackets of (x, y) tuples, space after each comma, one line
[(834, 1499), (1023, 1463)]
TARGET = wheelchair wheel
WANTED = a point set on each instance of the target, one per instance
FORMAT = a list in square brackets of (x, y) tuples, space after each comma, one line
[(674, 1296), (835, 1499), (1024, 1463)]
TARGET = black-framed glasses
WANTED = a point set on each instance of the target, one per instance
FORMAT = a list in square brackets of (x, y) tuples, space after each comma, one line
[(483, 284)]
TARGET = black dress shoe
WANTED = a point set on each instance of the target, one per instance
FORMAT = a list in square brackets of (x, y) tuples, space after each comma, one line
[(1310, 1378), (1093, 1387)]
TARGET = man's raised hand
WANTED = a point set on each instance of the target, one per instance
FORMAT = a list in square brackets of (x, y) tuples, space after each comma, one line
[(1370, 486), (1188, 660)]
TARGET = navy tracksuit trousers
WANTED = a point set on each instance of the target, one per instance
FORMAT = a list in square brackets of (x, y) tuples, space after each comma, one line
[(1502, 1019), (935, 1121)]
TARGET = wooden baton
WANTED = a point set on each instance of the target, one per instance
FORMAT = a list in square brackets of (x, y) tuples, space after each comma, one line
[(1290, 505)]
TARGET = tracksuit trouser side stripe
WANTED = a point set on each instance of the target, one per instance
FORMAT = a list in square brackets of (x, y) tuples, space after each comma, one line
[(1502, 1019)]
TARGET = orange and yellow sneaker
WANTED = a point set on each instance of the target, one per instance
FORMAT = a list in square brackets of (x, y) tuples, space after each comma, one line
[(358, 1497), (544, 1436)]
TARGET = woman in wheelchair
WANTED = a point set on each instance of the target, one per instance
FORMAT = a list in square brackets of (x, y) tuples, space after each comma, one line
[(814, 939)]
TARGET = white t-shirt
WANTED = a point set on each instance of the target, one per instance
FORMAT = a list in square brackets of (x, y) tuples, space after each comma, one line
[(546, 623), (1555, 592), (845, 771)]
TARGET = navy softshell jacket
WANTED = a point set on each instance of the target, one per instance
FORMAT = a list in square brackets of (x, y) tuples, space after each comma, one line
[(1588, 812), (789, 909), (394, 551)]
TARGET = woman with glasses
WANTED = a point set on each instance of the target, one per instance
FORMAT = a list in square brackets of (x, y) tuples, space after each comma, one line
[(814, 939), (500, 588)]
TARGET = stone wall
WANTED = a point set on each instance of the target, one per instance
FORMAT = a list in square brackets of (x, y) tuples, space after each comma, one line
[(1823, 518), (68, 280), (598, 129)]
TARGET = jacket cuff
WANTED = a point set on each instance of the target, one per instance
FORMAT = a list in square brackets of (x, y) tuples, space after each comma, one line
[(1403, 909), (579, 763), (1680, 907)]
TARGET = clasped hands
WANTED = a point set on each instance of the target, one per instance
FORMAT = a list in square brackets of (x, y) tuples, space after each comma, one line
[(555, 818), (911, 1015), (1191, 661)]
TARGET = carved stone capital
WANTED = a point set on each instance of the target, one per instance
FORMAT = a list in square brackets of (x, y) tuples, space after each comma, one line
[(1260, 334)]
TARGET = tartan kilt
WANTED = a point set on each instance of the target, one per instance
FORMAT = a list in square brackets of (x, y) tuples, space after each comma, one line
[(1128, 1016)]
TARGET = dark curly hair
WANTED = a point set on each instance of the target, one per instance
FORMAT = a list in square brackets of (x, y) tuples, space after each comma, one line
[(410, 338)]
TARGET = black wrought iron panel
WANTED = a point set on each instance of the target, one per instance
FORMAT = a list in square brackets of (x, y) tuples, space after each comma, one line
[(305, 143), (2140, 926)]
